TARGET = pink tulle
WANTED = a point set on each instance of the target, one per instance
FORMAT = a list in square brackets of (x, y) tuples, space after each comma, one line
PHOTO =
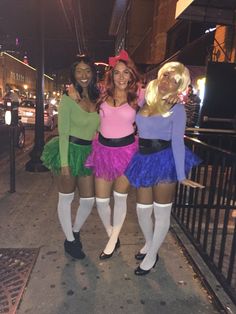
[(110, 163)]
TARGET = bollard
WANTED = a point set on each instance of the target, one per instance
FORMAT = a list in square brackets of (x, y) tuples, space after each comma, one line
[(12, 159), (10, 119)]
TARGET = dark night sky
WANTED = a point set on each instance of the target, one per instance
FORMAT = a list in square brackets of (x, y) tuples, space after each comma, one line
[(20, 18)]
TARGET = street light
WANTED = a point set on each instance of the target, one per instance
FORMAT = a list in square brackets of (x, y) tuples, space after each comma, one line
[(26, 90)]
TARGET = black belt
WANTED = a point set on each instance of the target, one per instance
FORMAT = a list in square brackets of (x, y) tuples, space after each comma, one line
[(149, 146), (116, 142), (79, 141)]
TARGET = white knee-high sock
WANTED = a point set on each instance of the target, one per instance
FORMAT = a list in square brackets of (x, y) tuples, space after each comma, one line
[(144, 213), (84, 210), (104, 211), (162, 223), (120, 209), (64, 214)]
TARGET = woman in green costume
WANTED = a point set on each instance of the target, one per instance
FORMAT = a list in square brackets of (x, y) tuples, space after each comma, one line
[(65, 155)]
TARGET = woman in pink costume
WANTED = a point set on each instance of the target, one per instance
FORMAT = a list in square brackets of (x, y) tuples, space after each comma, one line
[(115, 145)]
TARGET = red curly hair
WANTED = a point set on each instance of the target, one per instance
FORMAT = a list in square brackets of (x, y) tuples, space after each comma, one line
[(132, 88)]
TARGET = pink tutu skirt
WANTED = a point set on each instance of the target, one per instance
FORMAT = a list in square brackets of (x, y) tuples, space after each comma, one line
[(108, 162)]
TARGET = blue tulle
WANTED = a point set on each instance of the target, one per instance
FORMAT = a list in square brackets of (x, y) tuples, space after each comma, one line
[(148, 170)]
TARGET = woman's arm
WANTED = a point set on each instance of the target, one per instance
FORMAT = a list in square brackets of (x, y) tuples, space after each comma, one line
[(63, 130), (177, 139), (179, 121)]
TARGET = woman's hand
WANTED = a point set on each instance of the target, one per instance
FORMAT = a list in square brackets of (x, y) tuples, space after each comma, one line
[(173, 99), (192, 184), (65, 171), (72, 92)]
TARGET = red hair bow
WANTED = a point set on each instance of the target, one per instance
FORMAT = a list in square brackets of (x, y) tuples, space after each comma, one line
[(122, 56)]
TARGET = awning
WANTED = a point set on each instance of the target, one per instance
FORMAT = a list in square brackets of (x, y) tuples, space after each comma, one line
[(211, 11), (119, 8), (195, 56)]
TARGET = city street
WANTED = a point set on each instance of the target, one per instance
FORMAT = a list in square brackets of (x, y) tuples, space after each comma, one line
[(167, 68), (59, 284), (21, 157)]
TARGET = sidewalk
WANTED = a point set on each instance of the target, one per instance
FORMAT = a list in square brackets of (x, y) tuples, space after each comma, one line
[(60, 285)]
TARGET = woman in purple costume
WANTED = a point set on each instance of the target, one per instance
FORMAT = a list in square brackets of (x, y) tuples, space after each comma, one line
[(162, 159), (115, 145)]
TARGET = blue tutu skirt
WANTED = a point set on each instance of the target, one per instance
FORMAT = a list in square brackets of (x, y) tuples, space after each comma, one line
[(151, 169), (77, 156)]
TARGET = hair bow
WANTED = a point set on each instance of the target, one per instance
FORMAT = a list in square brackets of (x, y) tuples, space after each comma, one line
[(122, 56)]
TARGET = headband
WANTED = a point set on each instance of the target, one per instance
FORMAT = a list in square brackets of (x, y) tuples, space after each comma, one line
[(123, 56)]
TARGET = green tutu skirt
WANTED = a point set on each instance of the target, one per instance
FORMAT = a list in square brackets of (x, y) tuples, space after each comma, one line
[(77, 156)]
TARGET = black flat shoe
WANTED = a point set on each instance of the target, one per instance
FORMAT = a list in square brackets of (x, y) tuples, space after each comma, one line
[(74, 249), (141, 272), (106, 256), (77, 238), (140, 256)]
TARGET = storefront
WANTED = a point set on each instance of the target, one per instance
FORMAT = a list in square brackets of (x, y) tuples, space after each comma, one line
[(20, 77)]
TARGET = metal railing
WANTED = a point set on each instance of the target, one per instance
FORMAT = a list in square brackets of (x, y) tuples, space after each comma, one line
[(206, 216), (225, 139)]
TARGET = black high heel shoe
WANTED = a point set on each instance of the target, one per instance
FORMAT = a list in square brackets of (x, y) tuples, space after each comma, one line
[(117, 244), (141, 272), (140, 256), (106, 256)]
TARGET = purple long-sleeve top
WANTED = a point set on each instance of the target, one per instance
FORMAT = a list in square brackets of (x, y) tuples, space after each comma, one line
[(171, 126)]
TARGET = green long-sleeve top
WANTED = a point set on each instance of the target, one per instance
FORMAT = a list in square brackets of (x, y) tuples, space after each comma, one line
[(75, 121)]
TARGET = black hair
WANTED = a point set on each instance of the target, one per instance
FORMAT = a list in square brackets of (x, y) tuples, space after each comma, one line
[(93, 90)]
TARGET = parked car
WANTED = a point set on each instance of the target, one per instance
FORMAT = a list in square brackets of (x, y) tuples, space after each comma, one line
[(27, 112), (5, 134), (50, 116)]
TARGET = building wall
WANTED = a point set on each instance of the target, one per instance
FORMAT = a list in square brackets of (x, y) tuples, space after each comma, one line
[(19, 75), (164, 19), (225, 44), (151, 27), (147, 24), (233, 52), (139, 27), (1, 78)]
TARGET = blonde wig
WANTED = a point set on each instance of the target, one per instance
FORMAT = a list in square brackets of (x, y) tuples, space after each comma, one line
[(181, 76)]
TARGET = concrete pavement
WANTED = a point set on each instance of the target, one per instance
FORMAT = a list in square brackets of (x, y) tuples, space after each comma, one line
[(61, 285)]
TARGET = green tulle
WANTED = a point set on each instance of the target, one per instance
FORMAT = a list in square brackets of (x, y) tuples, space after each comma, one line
[(77, 156)]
